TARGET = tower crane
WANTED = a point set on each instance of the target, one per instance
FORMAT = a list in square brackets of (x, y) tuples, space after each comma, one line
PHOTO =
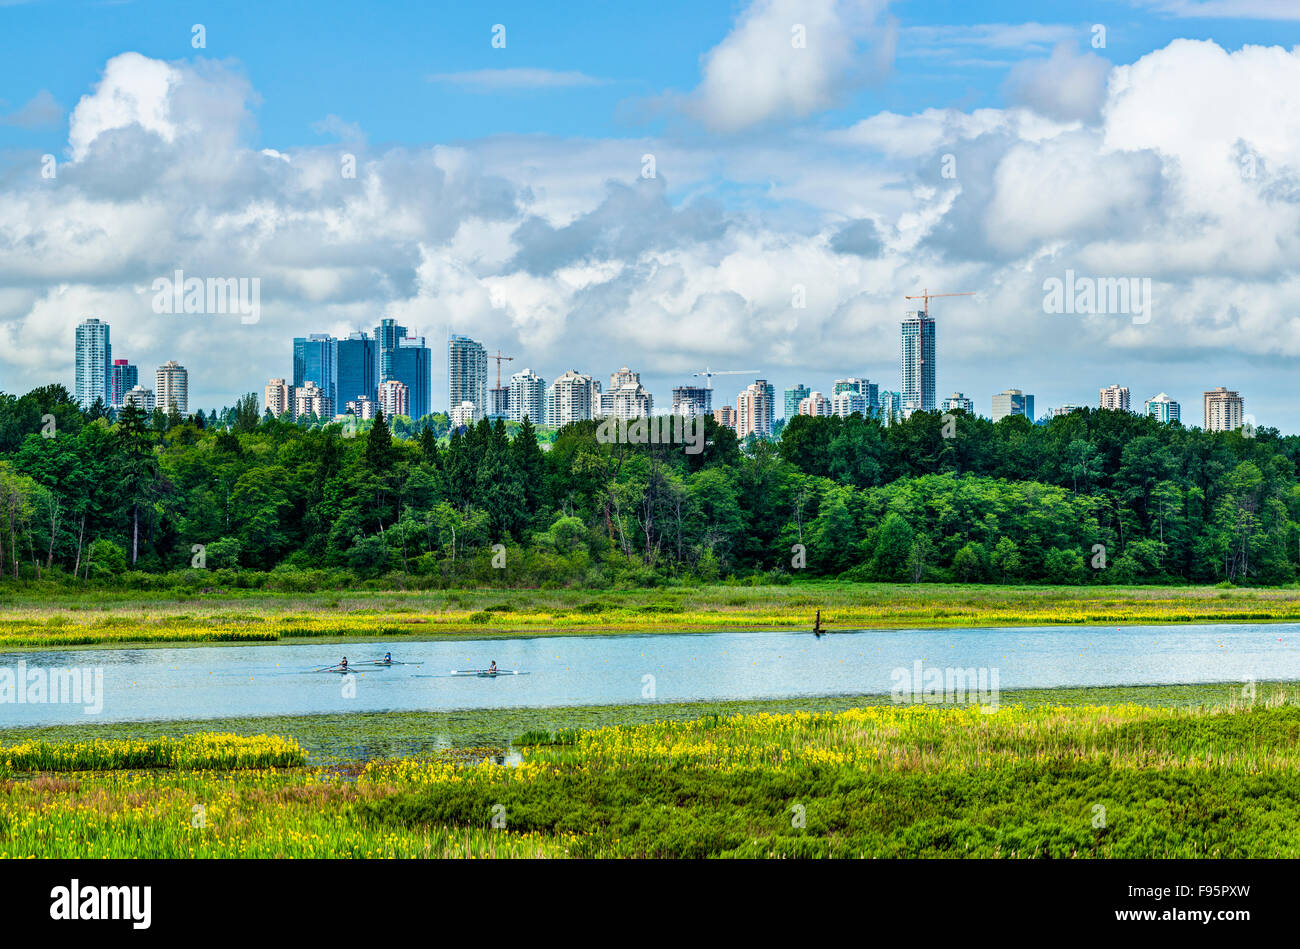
[(708, 374), (927, 296), (500, 359)]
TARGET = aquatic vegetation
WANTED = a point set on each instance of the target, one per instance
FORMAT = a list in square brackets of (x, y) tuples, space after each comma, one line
[(565, 736), (352, 736), (1062, 781), (1024, 780), (205, 750), (185, 814)]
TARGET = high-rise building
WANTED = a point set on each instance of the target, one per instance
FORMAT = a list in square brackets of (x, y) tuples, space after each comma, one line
[(1114, 397), (624, 377), (355, 364), (499, 394), (1164, 409), (527, 395), (467, 373), (1013, 402), (1225, 410), (124, 378), (754, 410), (793, 396), (311, 399), (412, 365), (891, 407), (918, 363), (407, 359), (815, 404), (690, 401), (870, 392), (1065, 410), (725, 415), (315, 360), (94, 362), (140, 397), (957, 401), (499, 402), (278, 397), (350, 369), (343, 369), (573, 397), (847, 402), (626, 397), (463, 414), (387, 335), (172, 387), (364, 407), (395, 398)]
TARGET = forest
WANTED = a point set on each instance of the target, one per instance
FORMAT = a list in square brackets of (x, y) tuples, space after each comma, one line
[(242, 500)]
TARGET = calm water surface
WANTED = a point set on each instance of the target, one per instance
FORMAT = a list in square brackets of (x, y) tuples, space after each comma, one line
[(237, 681)]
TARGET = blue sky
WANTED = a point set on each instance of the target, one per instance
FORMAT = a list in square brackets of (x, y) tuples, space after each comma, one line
[(501, 192), (370, 64)]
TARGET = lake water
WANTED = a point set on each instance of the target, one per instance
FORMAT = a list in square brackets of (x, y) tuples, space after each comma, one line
[(236, 681)]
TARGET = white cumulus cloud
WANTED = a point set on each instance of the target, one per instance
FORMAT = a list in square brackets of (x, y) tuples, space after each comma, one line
[(787, 59)]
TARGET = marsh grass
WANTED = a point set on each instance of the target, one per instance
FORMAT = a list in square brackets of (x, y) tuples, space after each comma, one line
[(1026, 780), (896, 781), (267, 813), (201, 751)]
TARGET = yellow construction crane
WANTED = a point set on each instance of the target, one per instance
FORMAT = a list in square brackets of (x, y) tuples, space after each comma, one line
[(927, 296)]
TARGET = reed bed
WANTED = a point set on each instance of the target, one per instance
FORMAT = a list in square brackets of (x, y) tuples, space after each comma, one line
[(891, 781), (221, 752), (199, 814), (1052, 780)]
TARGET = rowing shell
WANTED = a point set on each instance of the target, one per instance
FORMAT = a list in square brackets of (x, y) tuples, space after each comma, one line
[(480, 673)]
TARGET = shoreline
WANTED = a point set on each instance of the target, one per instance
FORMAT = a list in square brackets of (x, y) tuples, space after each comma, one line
[(470, 632), (409, 731)]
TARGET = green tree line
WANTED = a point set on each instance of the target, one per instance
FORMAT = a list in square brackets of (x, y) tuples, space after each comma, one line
[(242, 499)]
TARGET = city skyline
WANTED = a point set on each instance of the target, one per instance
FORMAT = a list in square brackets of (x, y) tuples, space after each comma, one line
[(1111, 396), (317, 359)]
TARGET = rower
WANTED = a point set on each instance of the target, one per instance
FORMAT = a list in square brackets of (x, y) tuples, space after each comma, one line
[(388, 658), (344, 663), (493, 666)]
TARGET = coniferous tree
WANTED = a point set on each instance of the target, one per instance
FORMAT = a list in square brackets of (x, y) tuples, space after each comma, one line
[(530, 467), (379, 444), (498, 489), (138, 471), (460, 469), (429, 446), (245, 416)]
